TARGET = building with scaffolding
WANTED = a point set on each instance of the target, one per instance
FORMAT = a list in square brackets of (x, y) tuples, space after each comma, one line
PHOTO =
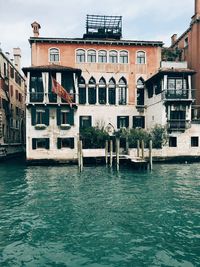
[(12, 104)]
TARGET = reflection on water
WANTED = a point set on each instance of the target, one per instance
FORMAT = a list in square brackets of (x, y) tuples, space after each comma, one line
[(55, 216)]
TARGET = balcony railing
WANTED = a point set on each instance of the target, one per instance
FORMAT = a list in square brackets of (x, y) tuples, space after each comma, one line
[(182, 94), (46, 98), (178, 125)]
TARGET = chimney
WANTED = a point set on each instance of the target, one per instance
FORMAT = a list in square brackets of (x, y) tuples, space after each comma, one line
[(17, 58), (36, 26), (173, 39)]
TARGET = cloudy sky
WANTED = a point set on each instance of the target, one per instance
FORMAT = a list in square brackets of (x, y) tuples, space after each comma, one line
[(142, 19)]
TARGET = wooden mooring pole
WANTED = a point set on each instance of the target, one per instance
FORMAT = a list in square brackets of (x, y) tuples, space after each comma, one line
[(117, 153), (142, 144), (80, 155), (106, 152), (138, 148), (150, 156), (111, 152)]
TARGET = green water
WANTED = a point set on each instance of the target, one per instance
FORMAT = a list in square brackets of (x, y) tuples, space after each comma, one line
[(55, 216)]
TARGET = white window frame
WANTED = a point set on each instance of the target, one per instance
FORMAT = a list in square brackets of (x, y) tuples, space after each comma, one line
[(49, 52), (93, 50), (77, 50), (122, 51), (145, 54), (110, 51)]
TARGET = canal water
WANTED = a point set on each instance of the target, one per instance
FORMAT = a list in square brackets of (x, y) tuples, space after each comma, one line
[(55, 216)]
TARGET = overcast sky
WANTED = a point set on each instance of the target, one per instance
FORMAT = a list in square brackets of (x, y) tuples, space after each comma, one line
[(142, 19)]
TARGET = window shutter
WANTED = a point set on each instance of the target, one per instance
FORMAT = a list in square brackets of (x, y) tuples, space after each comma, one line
[(118, 122), (58, 116), (90, 121), (59, 143), (46, 117), (72, 143), (127, 122), (47, 143), (33, 115), (34, 141), (71, 116)]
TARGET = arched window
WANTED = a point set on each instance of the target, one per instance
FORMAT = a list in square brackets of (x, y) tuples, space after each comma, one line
[(82, 91), (91, 56), (141, 57), (112, 91), (140, 92), (80, 56), (122, 91), (102, 91), (102, 56), (113, 57), (92, 91), (123, 57), (54, 55)]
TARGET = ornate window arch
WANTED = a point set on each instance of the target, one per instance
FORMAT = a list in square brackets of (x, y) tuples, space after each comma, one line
[(80, 56), (141, 57), (82, 90), (123, 57), (92, 91), (122, 91), (102, 91), (140, 92), (112, 91), (54, 55), (91, 56)]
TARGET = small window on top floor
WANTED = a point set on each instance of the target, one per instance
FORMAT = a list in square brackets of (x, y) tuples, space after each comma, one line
[(123, 57), (102, 56), (54, 55), (141, 57), (80, 56), (91, 56), (113, 57)]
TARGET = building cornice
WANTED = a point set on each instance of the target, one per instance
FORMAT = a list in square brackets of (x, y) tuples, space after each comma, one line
[(94, 41)]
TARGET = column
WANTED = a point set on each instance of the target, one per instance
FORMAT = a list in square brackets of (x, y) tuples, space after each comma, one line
[(97, 94), (107, 96), (58, 79), (86, 89)]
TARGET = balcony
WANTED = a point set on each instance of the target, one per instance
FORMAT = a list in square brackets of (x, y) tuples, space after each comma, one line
[(178, 125), (178, 95), (47, 98)]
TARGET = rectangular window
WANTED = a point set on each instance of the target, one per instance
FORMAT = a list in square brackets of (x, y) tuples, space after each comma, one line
[(11, 90), (16, 94), (172, 141), (64, 117), (42, 143), (12, 72), (85, 121), (65, 143), (194, 141), (36, 87), (122, 122), (39, 116), (139, 122)]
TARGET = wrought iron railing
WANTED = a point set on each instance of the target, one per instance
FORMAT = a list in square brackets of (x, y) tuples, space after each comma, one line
[(181, 94), (40, 97), (178, 124)]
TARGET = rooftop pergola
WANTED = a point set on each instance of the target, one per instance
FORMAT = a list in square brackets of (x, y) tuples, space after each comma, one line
[(98, 26)]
